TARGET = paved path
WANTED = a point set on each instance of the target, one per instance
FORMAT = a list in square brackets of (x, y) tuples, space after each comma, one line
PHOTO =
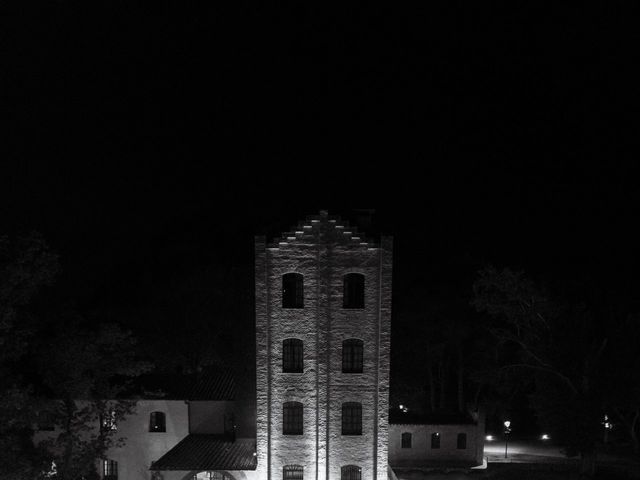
[(539, 451), (522, 450)]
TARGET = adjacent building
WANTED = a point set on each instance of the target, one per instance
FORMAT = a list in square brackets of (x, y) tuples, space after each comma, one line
[(323, 312)]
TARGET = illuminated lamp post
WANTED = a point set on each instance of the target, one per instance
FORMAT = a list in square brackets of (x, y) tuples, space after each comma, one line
[(507, 431), (607, 426)]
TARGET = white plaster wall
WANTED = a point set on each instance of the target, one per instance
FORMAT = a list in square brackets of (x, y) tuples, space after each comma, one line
[(421, 450), (141, 446), (209, 416)]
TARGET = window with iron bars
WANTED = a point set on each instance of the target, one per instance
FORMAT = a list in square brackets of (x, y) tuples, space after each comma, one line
[(292, 418), (351, 418), (292, 355)]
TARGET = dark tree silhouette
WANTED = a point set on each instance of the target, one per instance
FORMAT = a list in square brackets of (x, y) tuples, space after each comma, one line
[(87, 372), (26, 266), (560, 347)]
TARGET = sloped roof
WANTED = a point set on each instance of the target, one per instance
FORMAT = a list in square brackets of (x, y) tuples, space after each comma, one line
[(213, 385), (209, 384), (323, 228), (209, 452)]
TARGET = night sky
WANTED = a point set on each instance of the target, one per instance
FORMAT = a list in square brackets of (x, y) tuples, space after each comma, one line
[(144, 141)]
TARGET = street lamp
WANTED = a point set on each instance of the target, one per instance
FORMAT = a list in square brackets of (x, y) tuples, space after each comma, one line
[(507, 431), (607, 426)]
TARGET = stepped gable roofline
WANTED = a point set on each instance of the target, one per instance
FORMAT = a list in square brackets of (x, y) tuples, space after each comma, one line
[(324, 228)]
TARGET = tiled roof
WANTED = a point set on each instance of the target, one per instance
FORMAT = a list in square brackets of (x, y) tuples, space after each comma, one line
[(213, 385), (209, 384), (209, 452)]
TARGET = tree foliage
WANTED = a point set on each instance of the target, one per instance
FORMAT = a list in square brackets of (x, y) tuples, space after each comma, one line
[(26, 266), (87, 371), (71, 376), (557, 345)]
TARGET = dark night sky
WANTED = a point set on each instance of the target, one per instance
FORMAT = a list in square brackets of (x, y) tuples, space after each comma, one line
[(143, 139)]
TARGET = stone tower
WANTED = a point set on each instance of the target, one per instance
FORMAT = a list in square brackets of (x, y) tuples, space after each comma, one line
[(323, 309)]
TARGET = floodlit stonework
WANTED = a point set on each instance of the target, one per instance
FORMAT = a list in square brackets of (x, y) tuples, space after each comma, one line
[(326, 290), (323, 249)]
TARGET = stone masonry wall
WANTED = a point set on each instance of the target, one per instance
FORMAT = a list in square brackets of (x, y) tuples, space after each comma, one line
[(323, 251)]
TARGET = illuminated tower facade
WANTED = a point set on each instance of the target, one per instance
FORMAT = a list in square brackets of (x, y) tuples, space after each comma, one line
[(323, 309)]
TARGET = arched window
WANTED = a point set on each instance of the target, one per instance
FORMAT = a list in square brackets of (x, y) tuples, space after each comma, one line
[(435, 440), (351, 472), (292, 418), (352, 356), (292, 290), (157, 422), (292, 472), (292, 355), (406, 440), (462, 441), (109, 470), (353, 292), (351, 418)]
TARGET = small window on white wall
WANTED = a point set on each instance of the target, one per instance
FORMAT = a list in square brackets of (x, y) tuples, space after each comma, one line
[(109, 470), (435, 440), (157, 422), (406, 440)]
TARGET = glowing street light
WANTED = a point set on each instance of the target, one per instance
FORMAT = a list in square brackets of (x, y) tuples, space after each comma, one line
[(507, 431), (607, 426), (544, 437)]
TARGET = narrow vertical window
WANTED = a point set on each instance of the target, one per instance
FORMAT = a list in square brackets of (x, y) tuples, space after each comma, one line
[(462, 441), (292, 472), (351, 418), (292, 418), (292, 355), (157, 422), (352, 356), (109, 470), (406, 440), (353, 291), (351, 472), (435, 440), (292, 290)]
